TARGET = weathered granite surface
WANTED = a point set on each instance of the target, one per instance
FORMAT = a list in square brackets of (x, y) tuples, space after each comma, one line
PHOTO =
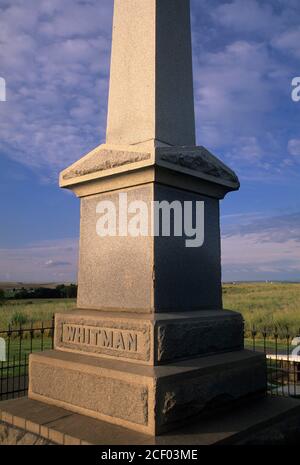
[(151, 85), (11, 436), (197, 159), (148, 274), (102, 160), (147, 399), (149, 340), (190, 338), (98, 391), (266, 421)]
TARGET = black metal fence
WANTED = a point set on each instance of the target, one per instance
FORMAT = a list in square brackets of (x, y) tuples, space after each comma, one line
[(282, 350), (283, 365), (17, 345)]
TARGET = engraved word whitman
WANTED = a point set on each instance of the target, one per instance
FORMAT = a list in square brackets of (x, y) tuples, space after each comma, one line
[(100, 337)]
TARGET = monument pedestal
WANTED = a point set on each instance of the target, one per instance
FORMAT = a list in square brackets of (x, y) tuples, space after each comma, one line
[(151, 400), (149, 347), (149, 373)]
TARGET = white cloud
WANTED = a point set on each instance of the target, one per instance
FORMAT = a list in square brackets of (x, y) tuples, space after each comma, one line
[(57, 263), (247, 16), (288, 42), (226, 82), (294, 147)]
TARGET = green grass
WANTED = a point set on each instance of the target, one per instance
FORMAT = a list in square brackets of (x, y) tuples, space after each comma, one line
[(270, 344), (35, 311), (266, 305), (18, 355), (261, 304)]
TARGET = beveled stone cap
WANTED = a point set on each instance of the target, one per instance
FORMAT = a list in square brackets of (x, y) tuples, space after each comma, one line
[(107, 161)]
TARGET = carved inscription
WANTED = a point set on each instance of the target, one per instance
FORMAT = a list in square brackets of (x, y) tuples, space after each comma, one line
[(102, 338)]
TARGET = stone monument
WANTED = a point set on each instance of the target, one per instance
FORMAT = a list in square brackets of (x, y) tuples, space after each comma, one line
[(149, 345)]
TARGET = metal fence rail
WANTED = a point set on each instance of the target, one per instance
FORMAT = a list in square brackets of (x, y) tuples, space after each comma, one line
[(283, 366), (19, 344), (283, 361)]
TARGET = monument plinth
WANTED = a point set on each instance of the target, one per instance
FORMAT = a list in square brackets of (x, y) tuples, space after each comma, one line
[(149, 345)]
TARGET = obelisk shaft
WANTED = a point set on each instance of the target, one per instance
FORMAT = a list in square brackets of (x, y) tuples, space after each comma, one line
[(151, 82)]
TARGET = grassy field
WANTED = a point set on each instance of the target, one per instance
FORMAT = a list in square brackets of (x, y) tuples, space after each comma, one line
[(19, 351), (261, 304), (15, 312), (266, 304)]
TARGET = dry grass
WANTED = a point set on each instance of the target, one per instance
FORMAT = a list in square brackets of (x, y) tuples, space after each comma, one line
[(36, 311), (261, 304), (266, 304)]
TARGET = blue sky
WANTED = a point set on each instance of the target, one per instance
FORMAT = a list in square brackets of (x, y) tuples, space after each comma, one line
[(55, 56)]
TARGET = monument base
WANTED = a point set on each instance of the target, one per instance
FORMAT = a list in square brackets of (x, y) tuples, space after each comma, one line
[(268, 421), (150, 400), (145, 339)]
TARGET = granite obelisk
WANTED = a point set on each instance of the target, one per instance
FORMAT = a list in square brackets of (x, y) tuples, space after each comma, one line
[(149, 345)]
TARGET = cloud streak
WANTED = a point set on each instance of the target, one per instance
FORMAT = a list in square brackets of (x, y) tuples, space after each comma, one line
[(265, 247), (53, 261), (276, 229)]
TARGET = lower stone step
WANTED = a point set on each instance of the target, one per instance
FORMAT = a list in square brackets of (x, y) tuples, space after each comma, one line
[(265, 421), (151, 400)]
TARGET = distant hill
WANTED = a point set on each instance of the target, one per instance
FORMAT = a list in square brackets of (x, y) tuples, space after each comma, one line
[(262, 282), (7, 286)]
